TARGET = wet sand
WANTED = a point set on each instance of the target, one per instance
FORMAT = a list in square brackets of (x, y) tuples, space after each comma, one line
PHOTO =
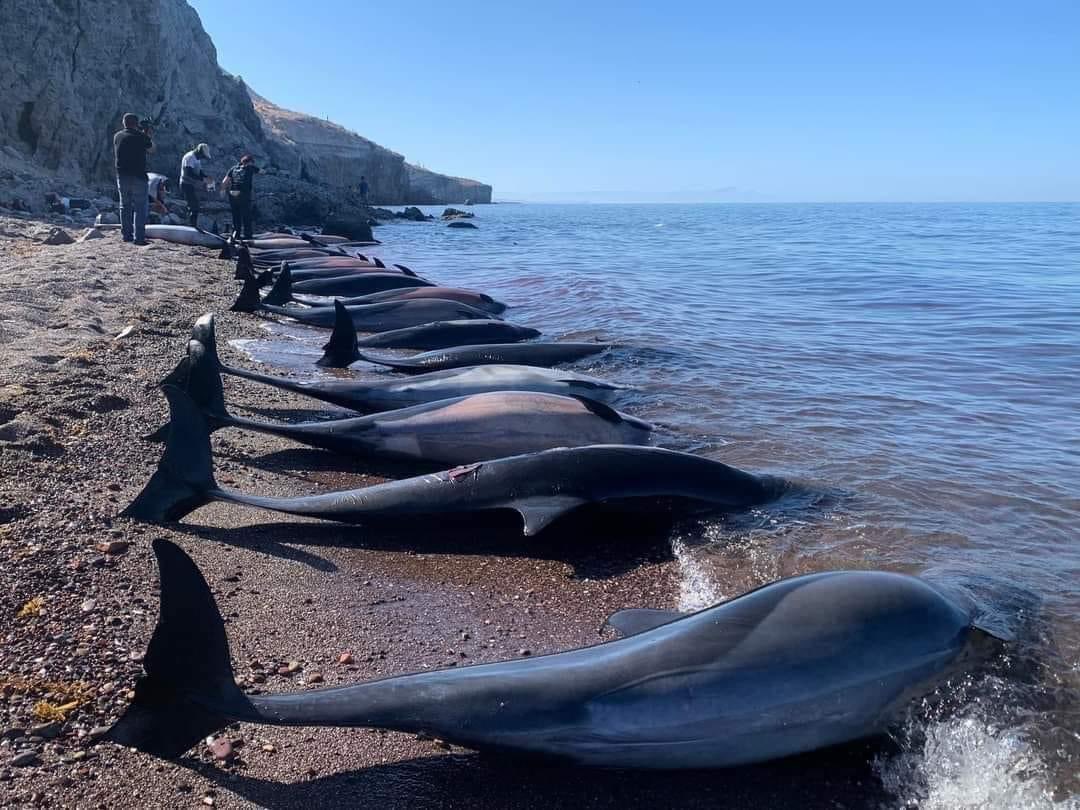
[(74, 403)]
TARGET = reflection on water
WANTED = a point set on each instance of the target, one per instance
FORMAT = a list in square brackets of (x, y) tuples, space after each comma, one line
[(919, 364)]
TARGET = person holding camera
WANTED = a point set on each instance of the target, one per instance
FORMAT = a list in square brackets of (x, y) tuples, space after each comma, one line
[(130, 147), (191, 176), (238, 184)]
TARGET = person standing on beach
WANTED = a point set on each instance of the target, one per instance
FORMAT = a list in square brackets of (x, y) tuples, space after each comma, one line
[(130, 147), (238, 183), (363, 189), (157, 184), (191, 177)]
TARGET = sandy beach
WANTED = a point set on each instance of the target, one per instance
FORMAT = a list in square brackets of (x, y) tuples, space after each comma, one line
[(306, 604)]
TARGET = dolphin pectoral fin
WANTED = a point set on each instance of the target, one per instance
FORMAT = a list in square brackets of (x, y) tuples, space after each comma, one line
[(638, 620), (539, 512), (997, 634), (605, 412)]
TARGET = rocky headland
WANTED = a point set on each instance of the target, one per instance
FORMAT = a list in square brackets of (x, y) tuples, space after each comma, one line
[(72, 68)]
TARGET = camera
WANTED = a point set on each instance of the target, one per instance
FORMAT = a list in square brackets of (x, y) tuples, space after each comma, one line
[(145, 124)]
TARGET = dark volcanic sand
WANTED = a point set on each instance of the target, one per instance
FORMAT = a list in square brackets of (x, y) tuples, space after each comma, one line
[(74, 403)]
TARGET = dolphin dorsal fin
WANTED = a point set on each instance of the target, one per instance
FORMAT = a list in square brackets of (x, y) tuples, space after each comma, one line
[(539, 512), (405, 270), (632, 621)]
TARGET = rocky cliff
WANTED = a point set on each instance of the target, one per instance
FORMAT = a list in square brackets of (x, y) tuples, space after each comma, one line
[(70, 68), (427, 187), (323, 152)]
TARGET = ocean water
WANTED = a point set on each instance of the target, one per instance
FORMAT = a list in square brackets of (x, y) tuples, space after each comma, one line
[(915, 368)]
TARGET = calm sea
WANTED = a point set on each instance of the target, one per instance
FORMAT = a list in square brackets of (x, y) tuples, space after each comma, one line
[(915, 367)]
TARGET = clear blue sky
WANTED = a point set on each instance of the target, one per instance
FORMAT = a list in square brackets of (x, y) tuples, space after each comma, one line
[(793, 100)]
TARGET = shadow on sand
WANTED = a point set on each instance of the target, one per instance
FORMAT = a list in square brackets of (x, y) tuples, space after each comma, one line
[(595, 542), (834, 778)]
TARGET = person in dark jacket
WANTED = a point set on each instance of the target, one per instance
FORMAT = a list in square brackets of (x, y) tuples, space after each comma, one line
[(238, 185), (130, 146)]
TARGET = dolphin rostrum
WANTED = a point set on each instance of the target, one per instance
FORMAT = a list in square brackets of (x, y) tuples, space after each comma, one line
[(794, 666), (540, 487)]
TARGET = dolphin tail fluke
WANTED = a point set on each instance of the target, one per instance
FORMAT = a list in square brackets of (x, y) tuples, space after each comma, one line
[(248, 299), (341, 350), (188, 690), (178, 378), (185, 475), (281, 293), (199, 373)]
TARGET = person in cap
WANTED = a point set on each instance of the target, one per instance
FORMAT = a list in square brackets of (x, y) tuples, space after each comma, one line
[(191, 177), (130, 146), (238, 183)]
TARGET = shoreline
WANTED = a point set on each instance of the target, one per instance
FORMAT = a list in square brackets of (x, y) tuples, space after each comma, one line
[(74, 402)]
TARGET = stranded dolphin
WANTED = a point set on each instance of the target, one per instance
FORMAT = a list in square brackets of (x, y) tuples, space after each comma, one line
[(540, 487), (532, 354), (454, 431), (385, 395), (343, 347), (797, 665), (473, 299), (380, 317)]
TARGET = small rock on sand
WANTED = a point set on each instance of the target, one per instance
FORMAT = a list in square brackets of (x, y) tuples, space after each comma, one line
[(58, 236), (24, 759), (345, 658), (221, 748), (113, 547)]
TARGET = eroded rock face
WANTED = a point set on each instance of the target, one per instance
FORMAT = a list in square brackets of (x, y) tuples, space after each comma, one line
[(428, 188), (325, 153), (72, 68)]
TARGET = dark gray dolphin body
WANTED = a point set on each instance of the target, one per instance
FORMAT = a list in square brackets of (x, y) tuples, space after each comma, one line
[(540, 487), (794, 666), (462, 430), (470, 297), (385, 395), (532, 354), (382, 317), (444, 432), (356, 284), (401, 392), (343, 347), (442, 334)]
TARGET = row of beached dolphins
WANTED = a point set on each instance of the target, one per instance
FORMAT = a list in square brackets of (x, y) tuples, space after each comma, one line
[(800, 664)]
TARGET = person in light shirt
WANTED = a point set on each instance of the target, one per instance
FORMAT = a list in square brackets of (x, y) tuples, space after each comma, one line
[(191, 177)]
